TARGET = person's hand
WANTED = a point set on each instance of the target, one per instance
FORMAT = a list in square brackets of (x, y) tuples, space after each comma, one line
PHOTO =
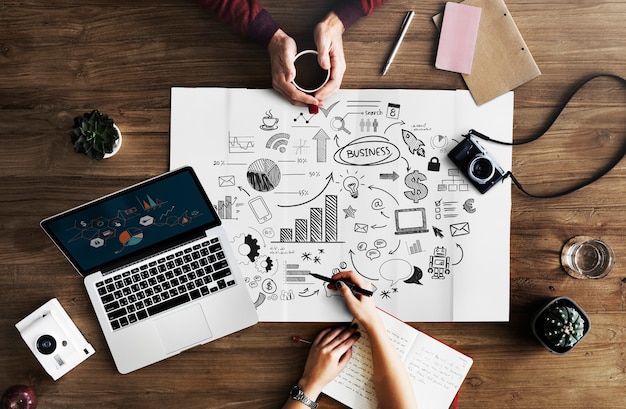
[(328, 35), (362, 307), (282, 50), (329, 354)]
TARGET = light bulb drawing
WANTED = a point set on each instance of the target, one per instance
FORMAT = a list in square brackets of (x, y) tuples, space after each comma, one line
[(351, 184)]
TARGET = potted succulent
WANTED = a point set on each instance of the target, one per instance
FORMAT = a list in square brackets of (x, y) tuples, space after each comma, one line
[(560, 325), (95, 135)]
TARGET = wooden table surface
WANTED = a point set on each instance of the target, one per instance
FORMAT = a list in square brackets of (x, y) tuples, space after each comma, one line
[(58, 60)]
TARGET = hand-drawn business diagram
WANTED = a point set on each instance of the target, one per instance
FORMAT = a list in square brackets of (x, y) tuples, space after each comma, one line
[(363, 185)]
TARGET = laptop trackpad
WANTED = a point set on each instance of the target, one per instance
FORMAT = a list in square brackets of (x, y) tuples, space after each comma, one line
[(183, 329)]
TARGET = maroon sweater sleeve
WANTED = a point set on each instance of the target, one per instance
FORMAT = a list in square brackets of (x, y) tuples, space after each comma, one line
[(245, 17), (350, 11), (250, 20)]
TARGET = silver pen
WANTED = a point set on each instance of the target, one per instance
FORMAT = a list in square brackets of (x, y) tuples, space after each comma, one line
[(403, 29)]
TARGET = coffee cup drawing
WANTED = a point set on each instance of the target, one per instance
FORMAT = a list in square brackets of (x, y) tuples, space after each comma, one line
[(270, 122), (310, 77)]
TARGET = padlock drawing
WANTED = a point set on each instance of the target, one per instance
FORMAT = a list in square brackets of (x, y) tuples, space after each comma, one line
[(433, 164)]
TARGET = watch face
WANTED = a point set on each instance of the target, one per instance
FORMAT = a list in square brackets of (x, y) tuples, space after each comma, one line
[(295, 391)]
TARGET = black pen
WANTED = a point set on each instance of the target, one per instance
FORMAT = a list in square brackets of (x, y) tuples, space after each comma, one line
[(355, 288), (403, 29)]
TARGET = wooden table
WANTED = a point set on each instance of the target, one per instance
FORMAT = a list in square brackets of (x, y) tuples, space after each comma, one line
[(58, 60)]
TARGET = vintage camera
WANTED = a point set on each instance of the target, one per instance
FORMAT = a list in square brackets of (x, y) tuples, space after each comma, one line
[(54, 339), (475, 163)]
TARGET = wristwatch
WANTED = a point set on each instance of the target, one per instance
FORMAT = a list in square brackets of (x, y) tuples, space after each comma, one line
[(297, 394)]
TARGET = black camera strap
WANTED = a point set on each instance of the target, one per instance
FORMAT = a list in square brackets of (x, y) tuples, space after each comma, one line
[(599, 174)]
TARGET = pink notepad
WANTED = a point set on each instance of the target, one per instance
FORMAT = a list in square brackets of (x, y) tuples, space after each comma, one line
[(457, 41)]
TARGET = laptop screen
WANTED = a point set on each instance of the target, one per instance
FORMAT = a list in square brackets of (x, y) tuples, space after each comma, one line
[(133, 223)]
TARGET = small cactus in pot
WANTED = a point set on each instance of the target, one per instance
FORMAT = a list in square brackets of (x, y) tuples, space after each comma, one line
[(95, 135), (560, 325)]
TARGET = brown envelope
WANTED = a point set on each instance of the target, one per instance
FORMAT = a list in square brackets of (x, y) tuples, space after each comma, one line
[(502, 60)]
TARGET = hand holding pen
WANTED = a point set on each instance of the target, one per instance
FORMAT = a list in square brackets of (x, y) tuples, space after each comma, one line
[(363, 308), (336, 282), (331, 350), (353, 287)]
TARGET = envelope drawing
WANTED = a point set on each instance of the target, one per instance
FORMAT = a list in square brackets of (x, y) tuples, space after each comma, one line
[(360, 227), (459, 229), (226, 181)]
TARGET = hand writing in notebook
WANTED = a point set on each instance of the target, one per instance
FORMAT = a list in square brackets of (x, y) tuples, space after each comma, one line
[(331, 351)]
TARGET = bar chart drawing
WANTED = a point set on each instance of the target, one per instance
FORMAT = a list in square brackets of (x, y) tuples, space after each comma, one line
[(224, 208), (295, 274), (320, 227), (415, 247)]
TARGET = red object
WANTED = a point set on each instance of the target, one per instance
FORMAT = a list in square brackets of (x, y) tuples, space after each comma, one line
[(300, 339), (314, 109), (19, 397)]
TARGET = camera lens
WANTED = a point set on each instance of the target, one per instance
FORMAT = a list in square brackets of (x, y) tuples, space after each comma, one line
[(481, 169), (46, 344)]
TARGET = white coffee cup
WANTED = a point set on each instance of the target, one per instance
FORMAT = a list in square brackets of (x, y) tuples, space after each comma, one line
[(310, 77)]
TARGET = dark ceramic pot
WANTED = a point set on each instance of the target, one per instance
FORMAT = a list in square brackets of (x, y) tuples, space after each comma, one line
[(560, 325)]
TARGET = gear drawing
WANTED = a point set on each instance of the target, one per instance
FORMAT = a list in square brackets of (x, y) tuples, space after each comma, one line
[(252, 243)]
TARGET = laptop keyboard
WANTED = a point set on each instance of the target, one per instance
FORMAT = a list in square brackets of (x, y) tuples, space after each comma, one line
[(133, 295)]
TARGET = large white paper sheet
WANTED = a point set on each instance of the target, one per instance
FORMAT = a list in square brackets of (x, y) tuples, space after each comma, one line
[(365, 185)]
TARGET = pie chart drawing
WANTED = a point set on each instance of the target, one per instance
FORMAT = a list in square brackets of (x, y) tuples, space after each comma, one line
[(439, 141), (263, 175), (131, 237)]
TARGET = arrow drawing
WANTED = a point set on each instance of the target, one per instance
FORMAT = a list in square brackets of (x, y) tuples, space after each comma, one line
[(304, 293), (408, 166), (356, 269), (393, 176), (243, 190), (462, 253), (392, 196), (321, 138), (396, 249), (395, 123)]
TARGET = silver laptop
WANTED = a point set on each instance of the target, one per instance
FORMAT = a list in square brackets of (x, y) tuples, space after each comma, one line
[(158, 268)]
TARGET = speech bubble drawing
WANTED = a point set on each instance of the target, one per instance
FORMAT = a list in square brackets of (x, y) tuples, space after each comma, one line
[(395, 270), (372, 254), (416, 277), (380, 243), (268, 232)]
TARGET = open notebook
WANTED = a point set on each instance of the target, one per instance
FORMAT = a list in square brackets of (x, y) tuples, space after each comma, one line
[(436, 370)]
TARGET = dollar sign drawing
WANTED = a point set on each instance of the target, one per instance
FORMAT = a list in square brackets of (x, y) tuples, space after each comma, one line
[(413, 181), (269, 286)]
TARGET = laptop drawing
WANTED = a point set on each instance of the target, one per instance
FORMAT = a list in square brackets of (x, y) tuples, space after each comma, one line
[(158, 268), (409, 221)]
